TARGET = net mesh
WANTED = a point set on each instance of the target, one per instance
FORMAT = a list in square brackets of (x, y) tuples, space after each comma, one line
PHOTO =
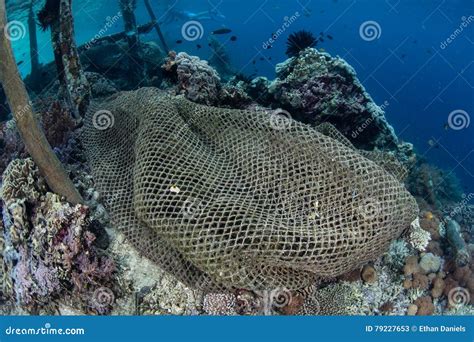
[(232, 198)]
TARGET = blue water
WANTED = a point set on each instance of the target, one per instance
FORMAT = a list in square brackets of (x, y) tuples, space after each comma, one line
[(410, 66)]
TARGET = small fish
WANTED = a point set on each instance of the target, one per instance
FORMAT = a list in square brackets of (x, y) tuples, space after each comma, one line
[(179, 41), (210, 45), (329, 37), (262, 59), (19, 63), (269, 58), (221, 31), (403, 56), (322, 50), (268, 47), (198, 46), (233, 38), (254, 61), (446, 126), (321, 34), (321, 39)]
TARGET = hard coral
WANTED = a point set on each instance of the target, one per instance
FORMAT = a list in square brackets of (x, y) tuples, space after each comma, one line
[(196, 79), (49, 249), (316, 88), (219, 304)]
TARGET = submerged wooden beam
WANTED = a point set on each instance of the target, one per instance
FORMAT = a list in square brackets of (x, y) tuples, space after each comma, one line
[(34, 56), (136, 69), (142, 29), (78, 88), (156, 25), (27, 124)]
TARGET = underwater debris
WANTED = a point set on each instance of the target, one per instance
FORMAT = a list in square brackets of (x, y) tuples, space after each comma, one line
[(197, 123), (299, 41)]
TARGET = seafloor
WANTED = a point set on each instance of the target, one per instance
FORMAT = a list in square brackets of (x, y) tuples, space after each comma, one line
[(64, 259)]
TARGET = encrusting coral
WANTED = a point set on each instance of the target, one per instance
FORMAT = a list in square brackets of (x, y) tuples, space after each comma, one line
[(196, 79), (316, 88), (48, 247)]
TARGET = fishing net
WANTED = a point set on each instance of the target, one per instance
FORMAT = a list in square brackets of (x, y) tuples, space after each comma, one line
[(233, 198)]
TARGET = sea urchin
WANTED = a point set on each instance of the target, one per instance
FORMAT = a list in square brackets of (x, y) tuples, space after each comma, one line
[(298, 41)]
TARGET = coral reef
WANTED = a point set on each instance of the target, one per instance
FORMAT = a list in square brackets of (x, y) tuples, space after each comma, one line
[(48, 247), (234, 94), (196, 79), (316, 88), (436, 187), (219, 304), (220, 59), (11, 145)]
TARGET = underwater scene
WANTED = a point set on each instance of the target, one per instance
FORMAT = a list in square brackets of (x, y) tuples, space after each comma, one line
[(236, 157)]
